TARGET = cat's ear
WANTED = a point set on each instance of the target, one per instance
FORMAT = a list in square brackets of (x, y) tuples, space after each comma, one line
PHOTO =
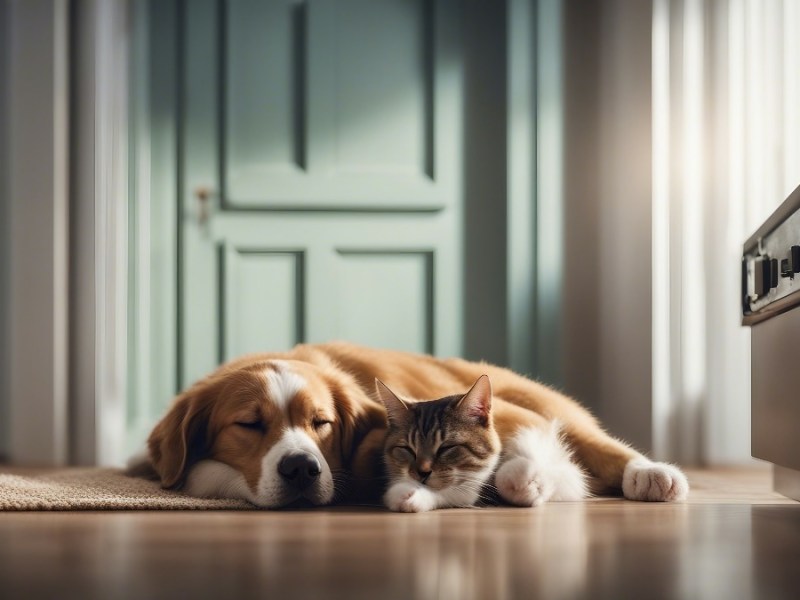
[(396, 409), (477, 402)]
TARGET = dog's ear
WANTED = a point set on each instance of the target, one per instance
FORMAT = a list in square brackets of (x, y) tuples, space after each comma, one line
[(358, 416), (180, 438)]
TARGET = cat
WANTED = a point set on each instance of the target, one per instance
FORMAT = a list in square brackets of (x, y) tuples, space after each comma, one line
[(443, 453), (439, 453)]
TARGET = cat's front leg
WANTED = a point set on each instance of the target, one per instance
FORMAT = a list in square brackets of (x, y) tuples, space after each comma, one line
[(406, 496), (537, 467)]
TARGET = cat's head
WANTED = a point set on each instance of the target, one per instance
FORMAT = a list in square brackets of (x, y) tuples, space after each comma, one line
[(441, 443)]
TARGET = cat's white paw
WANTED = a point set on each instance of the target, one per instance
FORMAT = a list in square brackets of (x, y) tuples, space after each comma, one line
[(653, 481), (405, 497), (539, 468), (520, 481)]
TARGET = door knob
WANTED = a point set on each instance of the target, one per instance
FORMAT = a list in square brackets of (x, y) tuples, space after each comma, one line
[(203, 196)]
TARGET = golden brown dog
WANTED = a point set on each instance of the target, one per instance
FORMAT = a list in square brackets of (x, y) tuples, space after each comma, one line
[(305, 424)]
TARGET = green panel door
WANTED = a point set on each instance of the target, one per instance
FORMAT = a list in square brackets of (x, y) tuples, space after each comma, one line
[(328, 134)]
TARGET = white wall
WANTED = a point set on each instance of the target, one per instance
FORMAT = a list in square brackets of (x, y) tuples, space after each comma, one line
[(4, 230), (681, 132), (38, 91)]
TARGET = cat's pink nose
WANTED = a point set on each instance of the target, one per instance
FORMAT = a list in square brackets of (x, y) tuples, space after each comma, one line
[(424, 464)]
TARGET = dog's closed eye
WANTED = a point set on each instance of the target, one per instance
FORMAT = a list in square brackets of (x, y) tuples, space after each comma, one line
[(255, 425)]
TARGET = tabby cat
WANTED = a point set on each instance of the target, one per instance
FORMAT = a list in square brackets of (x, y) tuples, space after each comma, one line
[(442, 453), (439, 453)]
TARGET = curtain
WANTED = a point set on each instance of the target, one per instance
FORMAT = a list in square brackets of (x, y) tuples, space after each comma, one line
[(726, 152)]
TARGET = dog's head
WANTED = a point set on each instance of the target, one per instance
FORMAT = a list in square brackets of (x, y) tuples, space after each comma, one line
[(268, 431)]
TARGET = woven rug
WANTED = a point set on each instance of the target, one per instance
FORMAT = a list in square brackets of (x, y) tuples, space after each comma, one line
[(96, 489)]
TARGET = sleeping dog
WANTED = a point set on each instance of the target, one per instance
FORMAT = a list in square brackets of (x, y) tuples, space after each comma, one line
[(306, 425)]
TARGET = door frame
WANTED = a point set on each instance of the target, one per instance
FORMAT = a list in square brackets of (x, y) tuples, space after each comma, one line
[(154, 241), (99, 230)]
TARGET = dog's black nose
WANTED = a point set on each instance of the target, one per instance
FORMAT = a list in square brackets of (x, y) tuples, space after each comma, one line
[(299, 470)]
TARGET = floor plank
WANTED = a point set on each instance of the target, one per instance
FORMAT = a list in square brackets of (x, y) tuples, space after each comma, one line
[(733, 538)]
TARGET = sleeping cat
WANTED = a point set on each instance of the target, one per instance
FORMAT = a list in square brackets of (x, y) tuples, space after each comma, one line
[(441, 453)]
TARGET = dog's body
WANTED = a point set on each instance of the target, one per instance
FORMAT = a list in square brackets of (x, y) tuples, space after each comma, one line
[(271, 428)]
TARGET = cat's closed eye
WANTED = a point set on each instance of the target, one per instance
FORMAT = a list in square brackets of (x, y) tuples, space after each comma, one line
[(403, 453), (448, 449)]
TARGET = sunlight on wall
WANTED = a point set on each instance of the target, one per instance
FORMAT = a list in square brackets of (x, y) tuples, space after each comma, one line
[(661, 191), (692, 298), (726, 126)]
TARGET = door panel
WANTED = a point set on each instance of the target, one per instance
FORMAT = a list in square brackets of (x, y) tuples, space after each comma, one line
[(382, 94), (251, 310), (264, 95), (402, 283), (331, 104), (329, 133)]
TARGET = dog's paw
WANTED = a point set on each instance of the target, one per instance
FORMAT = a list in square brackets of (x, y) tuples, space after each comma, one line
[(405, 497), (653, 482), (521, 482)]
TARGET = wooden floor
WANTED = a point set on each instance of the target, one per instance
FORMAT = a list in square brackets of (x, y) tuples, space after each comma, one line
[(732, 539)]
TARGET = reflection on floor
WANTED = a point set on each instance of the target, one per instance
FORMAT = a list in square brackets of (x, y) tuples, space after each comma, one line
[(732, 539)]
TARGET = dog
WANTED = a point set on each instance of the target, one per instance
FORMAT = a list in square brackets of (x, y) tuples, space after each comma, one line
[(307, 426)]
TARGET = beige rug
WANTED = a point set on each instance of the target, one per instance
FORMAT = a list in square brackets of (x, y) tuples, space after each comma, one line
[(96, 489)]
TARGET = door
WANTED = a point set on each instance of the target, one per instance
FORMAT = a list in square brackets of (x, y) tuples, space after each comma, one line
[(301, 171), (320, 177)]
